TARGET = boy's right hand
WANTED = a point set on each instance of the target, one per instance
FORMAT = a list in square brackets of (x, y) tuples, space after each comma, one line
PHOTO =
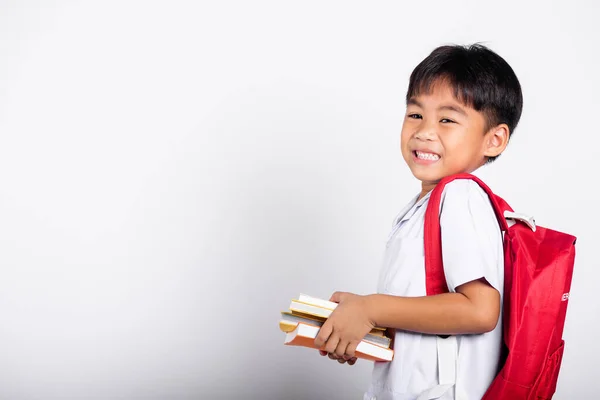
[(341, 360)]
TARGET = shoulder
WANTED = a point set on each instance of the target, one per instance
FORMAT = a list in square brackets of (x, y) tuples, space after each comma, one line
[(464, 195), (465, 203), (470, 235), (464, 189)]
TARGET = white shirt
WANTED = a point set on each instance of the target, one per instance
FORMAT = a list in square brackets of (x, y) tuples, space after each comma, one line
[(471, 249)]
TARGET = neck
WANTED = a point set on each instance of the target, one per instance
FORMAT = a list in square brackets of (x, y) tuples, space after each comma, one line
[(426, 187)]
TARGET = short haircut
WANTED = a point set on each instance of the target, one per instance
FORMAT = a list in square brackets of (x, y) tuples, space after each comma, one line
[(481, 79)]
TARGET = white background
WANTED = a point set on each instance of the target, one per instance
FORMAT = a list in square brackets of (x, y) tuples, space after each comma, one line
[(173, 173)]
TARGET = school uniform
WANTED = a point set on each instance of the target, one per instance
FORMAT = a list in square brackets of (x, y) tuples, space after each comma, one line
[(471, 249)]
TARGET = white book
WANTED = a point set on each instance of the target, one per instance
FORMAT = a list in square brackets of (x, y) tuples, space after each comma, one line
[(304, 335), (304, 298), (288, 322)]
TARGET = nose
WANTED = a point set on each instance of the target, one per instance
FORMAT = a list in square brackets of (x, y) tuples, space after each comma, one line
[(425, 131)]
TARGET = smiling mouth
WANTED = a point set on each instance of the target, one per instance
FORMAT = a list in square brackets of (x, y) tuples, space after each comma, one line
[(421, 155)]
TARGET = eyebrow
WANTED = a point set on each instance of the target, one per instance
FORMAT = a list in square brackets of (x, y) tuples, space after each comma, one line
[(413, 101)]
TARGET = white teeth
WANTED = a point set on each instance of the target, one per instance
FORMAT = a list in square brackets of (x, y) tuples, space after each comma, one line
[(427, 156)]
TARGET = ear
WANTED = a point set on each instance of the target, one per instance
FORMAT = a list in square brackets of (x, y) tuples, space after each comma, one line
[(496, 140)]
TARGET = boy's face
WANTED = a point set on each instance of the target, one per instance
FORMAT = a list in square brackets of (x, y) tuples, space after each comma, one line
[(441, 136)]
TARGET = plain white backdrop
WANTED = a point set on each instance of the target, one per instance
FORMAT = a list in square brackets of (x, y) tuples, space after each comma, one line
[(173, 173)]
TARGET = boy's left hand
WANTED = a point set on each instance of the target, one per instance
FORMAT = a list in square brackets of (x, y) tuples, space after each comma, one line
[(348, 324)]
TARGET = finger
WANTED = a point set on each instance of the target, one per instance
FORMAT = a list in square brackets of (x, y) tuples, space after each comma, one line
[(332, 343), (340, 349), (332, 356), (351, 350), (352, 361), (323, 335), (322, 352), (341, 360), (337, 297)]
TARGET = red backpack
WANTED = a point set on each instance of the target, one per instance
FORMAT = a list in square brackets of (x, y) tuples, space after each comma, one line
[(538, 266)]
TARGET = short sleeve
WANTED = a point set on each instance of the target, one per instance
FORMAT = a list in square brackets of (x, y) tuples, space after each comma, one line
[(471, 237)]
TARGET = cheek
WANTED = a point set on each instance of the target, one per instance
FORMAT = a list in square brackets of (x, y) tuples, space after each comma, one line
[(404, 135), (403, 141), (460, 148), (404, 146)]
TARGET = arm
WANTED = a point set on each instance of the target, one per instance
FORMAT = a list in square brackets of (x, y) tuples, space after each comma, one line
[(474, 308)]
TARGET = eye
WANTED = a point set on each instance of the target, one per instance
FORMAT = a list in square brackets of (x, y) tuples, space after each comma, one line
[(415, 116), (447, 121)]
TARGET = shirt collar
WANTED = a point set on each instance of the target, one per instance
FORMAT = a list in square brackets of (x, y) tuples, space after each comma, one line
[(409, 210)]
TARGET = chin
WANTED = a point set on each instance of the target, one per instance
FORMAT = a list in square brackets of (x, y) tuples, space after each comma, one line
[(427, 176)]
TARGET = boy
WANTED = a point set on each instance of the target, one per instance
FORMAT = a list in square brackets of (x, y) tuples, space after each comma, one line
[(463, 103)]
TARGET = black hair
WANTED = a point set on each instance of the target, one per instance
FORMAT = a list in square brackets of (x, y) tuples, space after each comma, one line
[(481, 79)]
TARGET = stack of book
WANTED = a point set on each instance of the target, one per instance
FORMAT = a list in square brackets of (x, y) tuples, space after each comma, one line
[(306, 316)]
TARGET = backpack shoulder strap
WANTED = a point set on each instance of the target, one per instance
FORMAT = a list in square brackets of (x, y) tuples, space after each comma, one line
[(435, 279)]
